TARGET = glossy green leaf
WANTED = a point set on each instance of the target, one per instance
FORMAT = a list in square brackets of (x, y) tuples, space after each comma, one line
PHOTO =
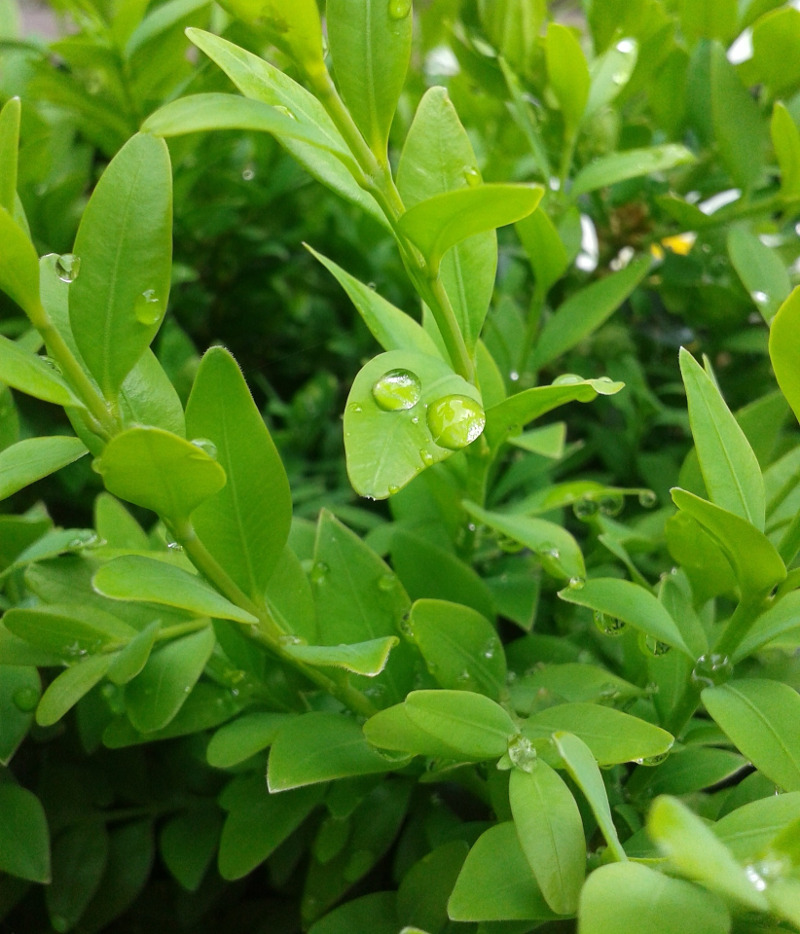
[(69, 687), (633, 163), (496, 882), (762, 719), (629, 898), (134, 577), (460, 646), (437, 157), (116, 525), (375, 912), (584, 771), (695, 852), (610, 72), (611, 735), (550, 833), (363, 658), (156, 695), (296, 31), (392, 328), (188, 843), (28, 372), (700, 556), (370, 44), (243, 737), (730, 470), (757, 565), (440, 222), (568, 74), (392, 728), (774, 62), (749, 829), (694, 769), (630, 603), (389, 441), (245, 526), (289, 598), (20, 689), (129, 661), (319, 747), (19, 266), (570, 681), (786, 143), (160, 471), (761, 270), (782, 617), (27, 461), (9, 144), (423, 893), (70, 631), (471, 723), (784, 349), (24, 837), (124, 243)]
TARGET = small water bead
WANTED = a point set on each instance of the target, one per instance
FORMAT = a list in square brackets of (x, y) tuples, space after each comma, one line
[(712, 670), (68, 265), (490, 649), (387, 582), (319, 572), (472, 176), (25, 699), (51, 363), (759, 297), (609, 625), (206, 446), (522, 753), (289, 638), (147, 308), (653, 646), (576, 583), (612, 504), (285, 111), (248, 173), (426, 457), (585, 508), (174, 546), (767, 870), (455, 421), (567, 379), (652, 761), (399, 9), (626, 46), (397, 390), (647, 499)]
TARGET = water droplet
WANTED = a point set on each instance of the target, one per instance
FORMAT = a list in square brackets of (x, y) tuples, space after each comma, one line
[(319, 572), (285, 111), (514, 376), (490, 649), (399, 9), (426, 457), (769, 869), (206, 446), (619, 78), (584, 508), (576, 583), (406, 628), (174, 546), (522, 753), (51, 363), (355, 408), (759, 297), (612, 504), (648, 499), (387, 582), (609, 625), (392, 488), (567, 379), (626, 46), (397, 390), (651, 761), (248, 173), (147, 308), (25, 699), (712, 670), (653, 646), (68, 265), (472, 176), (455, 421), (372, 286), (289, 638)]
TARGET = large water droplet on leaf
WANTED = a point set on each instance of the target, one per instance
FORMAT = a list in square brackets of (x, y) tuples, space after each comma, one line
[(712, 670), (522, 753), (609, 625), (397, 390), (653, 646), (206, 446), (567, 379), (455, 421), (399, 9), (68, 265), (147, 308), (612, 504), (25, 699), (584, 508), (472, 176)]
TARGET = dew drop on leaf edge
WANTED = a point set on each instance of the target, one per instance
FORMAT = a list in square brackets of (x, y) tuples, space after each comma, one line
[(397, 390), (68, 265), (399, 9), (609, 625), (147, 308), (206, 446)]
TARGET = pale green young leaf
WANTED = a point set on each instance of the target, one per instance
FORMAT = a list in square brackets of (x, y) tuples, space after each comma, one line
[(786, 143), (19, 266), (154, 697), (135, 577), (569, 681), (362, 658), (544, 247), (160, 471), (124, 243), (319, 747), (392, 729), (550, 833), (584, 312), (730, 470), (762, 719), (9, 145), (632, 163), (28, 372), (748, 830), (471, 723), (442, 221), (245, 526), (610, 72), (774, 61), (496, 882), (24, 837), (116, 526), (129, 661), (29, 460), (761, 270), (68, 631), (370, 44), (69, 687), (784, 349), (243, 737), (568, 74), (694, 850), (296, 30)]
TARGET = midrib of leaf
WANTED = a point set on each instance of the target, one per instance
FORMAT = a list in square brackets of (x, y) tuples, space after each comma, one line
[(770, 728), (369, 61)]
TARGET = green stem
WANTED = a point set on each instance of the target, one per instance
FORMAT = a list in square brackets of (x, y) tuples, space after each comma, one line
[(531, 330), (739, 624), (683, 711)]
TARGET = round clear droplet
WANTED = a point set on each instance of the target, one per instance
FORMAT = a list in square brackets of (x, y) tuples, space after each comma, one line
[(576, 583), (248, 173), (387, 582), (567, 379), (648, 499), (285, 111), (712, 670), (68, 265), (759, 297), (399, 9), (147, 308), (584, 508), (455, 421), (653, 646), (611, 504), (472, 176), (319, 572), (522, 753), (206, 446), (25, 699), (652, 761), (609, 625), (397, 390)]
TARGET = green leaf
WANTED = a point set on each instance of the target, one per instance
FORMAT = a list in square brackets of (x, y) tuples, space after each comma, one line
[(568, 74), (610, 72), (188, 843), (692, 769), (717, 19), (584, 771), (296, 31), (460, 646), (571, 681), (423, 893), (471, 723), (134, 577), (784, 349), (370, 44), (389, 439), (129, 661), (612, 736), (632, 604), (160, 471), (544, 247), (19, 266), (156, 695), (695, 852), (496, 883), (629, 898), (27, 461), (28, 372), (757, 565), (780, 618), (558, 551), (550, 833), (632, 163), (363, 658), (244, 737), (69, 687), (786, 143), (124, 243), (9, 144), (20, 689), (761, 270), (762, 719), (437, 157), (117, 526), (69, 631), (748, 830), (24, 838), (319, 747), (584, 311), (375, 912), (392, 328), (392, 728), (729, 466), (776, 37), (440, 222)]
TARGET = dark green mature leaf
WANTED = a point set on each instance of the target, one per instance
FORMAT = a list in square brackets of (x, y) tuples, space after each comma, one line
[(423, 893), (761, 270), (124, 243), (471, 723), (69, 687), (80, 856), (29, 460), (782, 617), (362, 658), (244, 737), (20, 689), (135, 577), (550, 833), (376, 913), (571, 681), (246, 525), (729, 466), (24, 837), (629, 898), (784, 349), (19, 266), (188, 843), (69, 631), (619, 166), (160, 471), (319, 747), (762, 719), (786, 143)]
